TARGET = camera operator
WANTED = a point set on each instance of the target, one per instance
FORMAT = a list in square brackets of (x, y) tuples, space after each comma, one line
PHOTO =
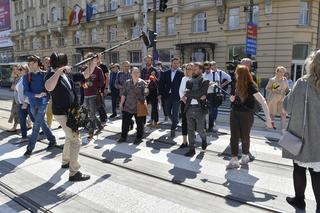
[(60, 83)]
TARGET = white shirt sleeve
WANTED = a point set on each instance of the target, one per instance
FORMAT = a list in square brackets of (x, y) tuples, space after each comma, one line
[(182, 87)]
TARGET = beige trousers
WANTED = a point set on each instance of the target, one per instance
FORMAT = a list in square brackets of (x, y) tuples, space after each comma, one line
[(71, 146)]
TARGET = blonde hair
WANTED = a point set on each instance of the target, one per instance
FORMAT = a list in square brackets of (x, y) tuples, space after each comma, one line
[(186, 68), (281, 67), (312, 65)]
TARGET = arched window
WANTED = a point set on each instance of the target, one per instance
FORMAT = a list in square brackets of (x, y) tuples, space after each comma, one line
[(54, 14), (199, 23)]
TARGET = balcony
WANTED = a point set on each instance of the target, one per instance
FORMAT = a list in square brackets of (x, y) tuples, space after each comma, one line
[(191, 5)]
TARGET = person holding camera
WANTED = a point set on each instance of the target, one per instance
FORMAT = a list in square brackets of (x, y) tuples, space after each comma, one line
[(60, 83), (277, 88), (34, 89), (196, 107), (242, 114)]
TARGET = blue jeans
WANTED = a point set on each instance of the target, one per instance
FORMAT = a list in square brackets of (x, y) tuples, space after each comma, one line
[(38, 113), (23, 114), (172, 109), (213, 114)]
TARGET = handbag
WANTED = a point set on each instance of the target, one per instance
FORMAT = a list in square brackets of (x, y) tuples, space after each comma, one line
[(291, 142), (142, 109), (217, 98)]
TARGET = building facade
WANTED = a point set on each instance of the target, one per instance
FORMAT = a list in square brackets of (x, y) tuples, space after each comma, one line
[(194, 30)]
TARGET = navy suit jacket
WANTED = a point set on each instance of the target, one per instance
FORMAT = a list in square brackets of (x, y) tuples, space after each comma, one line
[(165, 84)]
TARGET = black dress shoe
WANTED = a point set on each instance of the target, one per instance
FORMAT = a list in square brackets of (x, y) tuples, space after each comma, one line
[(190, 153), (183, 145), (113, 116), (137, 140), (131, 126), (28, 153), (121, 140), (296, 202), (204, 144), (79, 177), (51, 145), (65, 166)]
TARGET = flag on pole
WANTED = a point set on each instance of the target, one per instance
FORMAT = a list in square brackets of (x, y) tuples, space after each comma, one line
[(89, 11), (75, 15), (70, 15)]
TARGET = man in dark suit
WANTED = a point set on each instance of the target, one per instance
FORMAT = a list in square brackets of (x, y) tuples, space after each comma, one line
[(169, 90)]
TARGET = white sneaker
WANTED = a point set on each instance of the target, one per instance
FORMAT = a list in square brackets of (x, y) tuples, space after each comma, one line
[(234, 163), (245, 159)]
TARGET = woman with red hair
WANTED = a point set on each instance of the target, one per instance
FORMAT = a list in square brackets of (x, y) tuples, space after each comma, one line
[(242, 114)]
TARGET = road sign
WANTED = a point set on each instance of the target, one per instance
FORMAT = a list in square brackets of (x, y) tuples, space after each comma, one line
[(251, 41)]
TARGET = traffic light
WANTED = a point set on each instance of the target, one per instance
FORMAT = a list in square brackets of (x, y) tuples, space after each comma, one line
[(152, 38), (163, 5)]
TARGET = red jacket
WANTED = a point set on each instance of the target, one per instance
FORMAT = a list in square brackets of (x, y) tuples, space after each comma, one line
[(94, 83)]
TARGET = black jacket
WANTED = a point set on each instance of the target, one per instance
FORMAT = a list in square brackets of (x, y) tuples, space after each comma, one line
[(166, 84)]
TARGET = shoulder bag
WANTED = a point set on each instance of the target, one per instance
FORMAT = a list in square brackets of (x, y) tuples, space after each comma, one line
[(217, 97), (289, 141)]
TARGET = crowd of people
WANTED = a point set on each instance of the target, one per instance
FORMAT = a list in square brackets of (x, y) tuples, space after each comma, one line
[(191, 92)]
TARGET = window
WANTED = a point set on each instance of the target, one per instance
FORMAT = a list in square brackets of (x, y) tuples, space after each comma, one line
[(32, 21), (135, 31), (20, 6), (199, 54), (113, 33), (171, 29), (31, 3), (237, 50), (158, 27), (135, 57), (48, 41), (128, 2), (42, 19), (54, 14), (76, 38), (94, 35), (42, 3), (34, 43), (268, 7), (61, 41), (165, 55), (300, 51), (234, 18), (21, 24), (17, 44), (114, 57), (255, 16), (28, 22), (43, 42), (199, 23), (304, 13), (16, 8), (22, 45), (17, 25), (113, 4)]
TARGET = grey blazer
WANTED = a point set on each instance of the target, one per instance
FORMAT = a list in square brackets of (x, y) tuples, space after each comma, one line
[(294, 106)]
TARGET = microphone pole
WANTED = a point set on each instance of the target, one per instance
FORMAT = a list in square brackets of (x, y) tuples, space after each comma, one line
[(255, 113), (143, 36)]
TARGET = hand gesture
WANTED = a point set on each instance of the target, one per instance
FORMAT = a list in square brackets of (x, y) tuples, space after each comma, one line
[(232, 98), (269, 123)]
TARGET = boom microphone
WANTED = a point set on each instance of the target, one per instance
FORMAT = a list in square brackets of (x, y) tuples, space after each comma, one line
[(143, 35)]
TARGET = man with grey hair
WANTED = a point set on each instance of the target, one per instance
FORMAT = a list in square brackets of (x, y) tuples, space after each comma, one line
[(248, 62)]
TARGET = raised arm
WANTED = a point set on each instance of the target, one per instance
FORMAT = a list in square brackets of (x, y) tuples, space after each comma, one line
[(265, 108)]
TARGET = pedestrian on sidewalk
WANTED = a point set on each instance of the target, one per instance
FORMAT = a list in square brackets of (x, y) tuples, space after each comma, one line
[(33, 84), (169, 90), (187, 76), (242, 114), (196, 107), (151, 76), (93, 99), (160, 70), (24, 105), (14, 117), (135, 90), (309, 156), (60, 82), (277, 87), (115, 93), (49, 115), (104, 92)]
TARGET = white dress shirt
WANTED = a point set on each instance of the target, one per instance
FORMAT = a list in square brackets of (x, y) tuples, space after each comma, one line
[(209, 77)]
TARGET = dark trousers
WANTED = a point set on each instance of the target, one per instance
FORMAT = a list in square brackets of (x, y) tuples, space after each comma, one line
[(126, 121), (196, 121), (240, 126), (213, 111), (153, 100), (163, 105), (184, 119), (114, 100), (172, 109), (23, 114), (102, 111), (300, 182)]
